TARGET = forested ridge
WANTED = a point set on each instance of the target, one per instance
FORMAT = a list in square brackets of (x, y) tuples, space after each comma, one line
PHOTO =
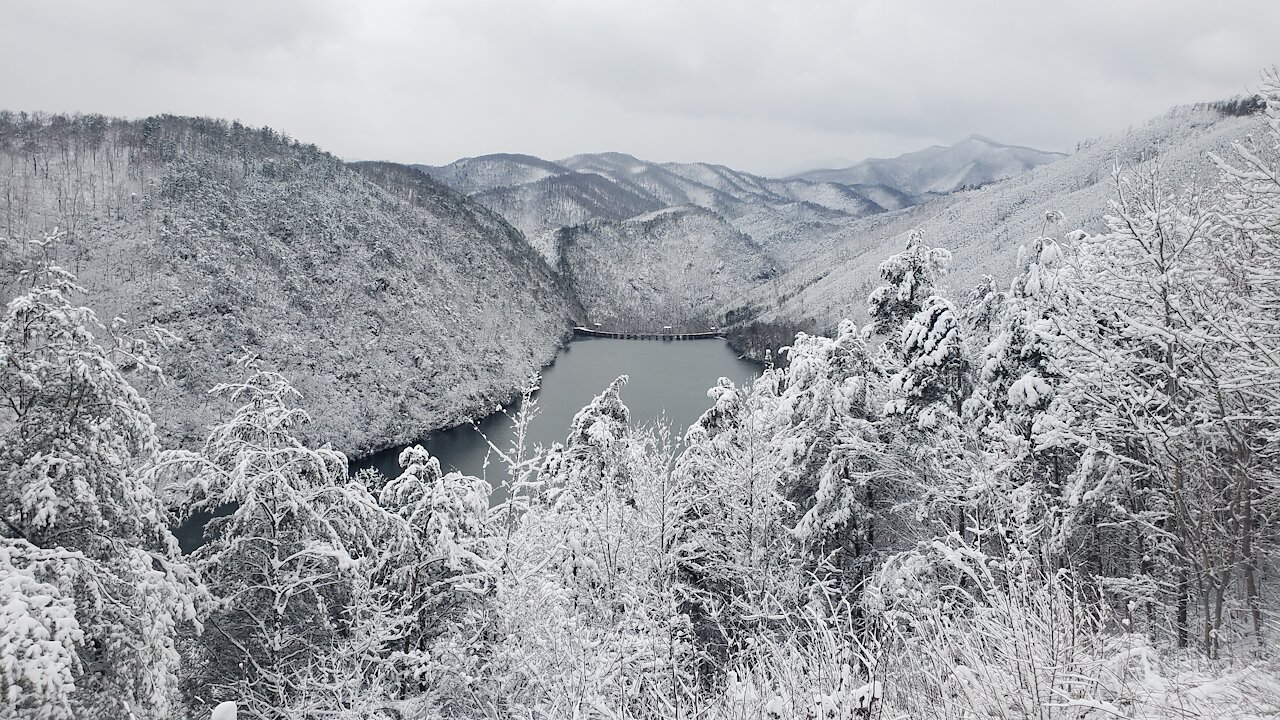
[(1049, 498), (395, 304)]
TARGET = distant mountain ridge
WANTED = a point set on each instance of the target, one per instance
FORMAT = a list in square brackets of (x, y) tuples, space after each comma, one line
[(620, 229), (789, 216), (473, 175), (941, 169)]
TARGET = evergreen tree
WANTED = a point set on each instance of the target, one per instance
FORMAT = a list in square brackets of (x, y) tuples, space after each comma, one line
[(1016, 400), (435, 564), (831, 454), (910, 278)]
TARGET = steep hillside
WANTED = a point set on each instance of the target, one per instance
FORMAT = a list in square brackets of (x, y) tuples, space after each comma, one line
[(940, 169), (395, 304), (677, 266), (984, 227), (541, 208)]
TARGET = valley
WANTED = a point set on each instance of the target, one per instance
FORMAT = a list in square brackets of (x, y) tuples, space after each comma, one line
[(364, 280), (315, 438)]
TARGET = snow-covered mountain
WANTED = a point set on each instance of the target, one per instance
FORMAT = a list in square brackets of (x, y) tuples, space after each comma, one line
[(677, 266), (940, 169), (542, 207), (609, 203), (984, 227), (395, 304), (789, 216), (472, 175), (792, 218)]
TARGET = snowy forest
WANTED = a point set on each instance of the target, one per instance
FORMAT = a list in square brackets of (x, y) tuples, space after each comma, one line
[(1056, 497)]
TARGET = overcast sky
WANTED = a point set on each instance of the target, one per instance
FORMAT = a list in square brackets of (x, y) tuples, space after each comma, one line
[(769, 87)]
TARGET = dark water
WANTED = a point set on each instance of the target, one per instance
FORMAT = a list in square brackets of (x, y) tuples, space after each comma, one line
[(667, 382)]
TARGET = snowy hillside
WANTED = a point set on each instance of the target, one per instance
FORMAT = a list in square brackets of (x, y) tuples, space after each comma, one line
[(677, 266), (472, 175), (541, 208), (397, 305), (971, 162), (983, 228), (587, 200), (791, 217)]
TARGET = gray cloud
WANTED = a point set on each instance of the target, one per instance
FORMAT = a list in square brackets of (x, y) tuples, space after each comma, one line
[(755, 84)]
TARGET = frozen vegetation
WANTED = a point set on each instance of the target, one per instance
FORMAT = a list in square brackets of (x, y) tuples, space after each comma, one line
[(1053, 495), (396, 305)]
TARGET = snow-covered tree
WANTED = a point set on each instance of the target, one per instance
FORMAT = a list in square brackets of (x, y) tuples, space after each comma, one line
[(582, 611), (1014, 401), (1016, 378), (926, 396), (1252, 212), (928, 352), (289, 554), (717, 531), (1154, 414), (435, 564), (590, 479), (910, 278), (39, 645), (831, 453), (589, 460), (934, 375), (95, 591)]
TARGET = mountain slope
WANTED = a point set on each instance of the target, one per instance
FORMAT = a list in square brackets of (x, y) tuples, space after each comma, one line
[(677, 266), (395, 304), (789, 217), (631, 212), (984, 227), (541, 208), (972, 162)]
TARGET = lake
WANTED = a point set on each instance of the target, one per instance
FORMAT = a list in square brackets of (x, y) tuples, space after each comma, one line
[(667, 382)]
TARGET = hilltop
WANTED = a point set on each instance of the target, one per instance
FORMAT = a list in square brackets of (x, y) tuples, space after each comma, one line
[(941, 169)]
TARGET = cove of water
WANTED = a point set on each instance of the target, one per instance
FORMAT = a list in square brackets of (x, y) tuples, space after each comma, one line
[(667, 383)]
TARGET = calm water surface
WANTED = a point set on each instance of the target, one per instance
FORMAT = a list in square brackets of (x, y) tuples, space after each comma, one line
[(667, 382)]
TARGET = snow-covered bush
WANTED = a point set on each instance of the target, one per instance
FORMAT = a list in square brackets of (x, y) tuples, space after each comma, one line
[(965, 635)]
